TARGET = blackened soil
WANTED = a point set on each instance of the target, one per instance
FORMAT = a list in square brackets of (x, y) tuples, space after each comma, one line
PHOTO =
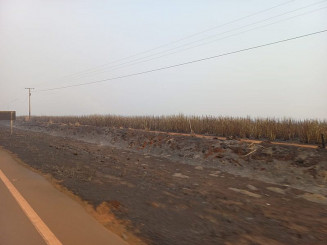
[(169, 202)]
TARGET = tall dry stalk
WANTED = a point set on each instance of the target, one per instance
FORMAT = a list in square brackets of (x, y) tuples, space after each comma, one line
[(307, 131)]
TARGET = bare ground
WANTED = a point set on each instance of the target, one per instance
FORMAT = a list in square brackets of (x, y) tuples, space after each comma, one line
[(170, 189)]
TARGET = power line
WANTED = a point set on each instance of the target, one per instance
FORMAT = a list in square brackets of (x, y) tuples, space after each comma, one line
[(182, 39), (236, 34), (143, 59), (187, 63), (16, 100), (11, 102)]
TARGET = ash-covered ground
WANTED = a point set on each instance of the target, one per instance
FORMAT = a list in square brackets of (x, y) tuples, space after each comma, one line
[(177, 189)]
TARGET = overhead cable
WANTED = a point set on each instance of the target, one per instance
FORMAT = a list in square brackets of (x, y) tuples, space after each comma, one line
[(185, 63)]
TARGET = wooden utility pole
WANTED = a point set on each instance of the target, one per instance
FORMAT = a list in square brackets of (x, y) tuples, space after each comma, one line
[(29, 102), (323, 141)]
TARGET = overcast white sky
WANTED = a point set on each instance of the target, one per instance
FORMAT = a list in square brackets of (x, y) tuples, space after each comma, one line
[(43, 42)]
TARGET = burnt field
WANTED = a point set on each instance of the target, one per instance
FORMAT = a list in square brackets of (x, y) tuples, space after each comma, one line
[(176, 189), (287, 129)]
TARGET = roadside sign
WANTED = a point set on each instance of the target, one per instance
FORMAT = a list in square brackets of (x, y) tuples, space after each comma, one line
[(9, 116)]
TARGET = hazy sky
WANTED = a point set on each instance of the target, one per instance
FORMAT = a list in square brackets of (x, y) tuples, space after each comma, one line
[(42, 43)]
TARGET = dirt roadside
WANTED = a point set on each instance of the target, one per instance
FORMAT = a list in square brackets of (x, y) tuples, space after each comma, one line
[(162, 200)]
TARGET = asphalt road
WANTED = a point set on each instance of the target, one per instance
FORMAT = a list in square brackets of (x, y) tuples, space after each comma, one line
[(33, 212)]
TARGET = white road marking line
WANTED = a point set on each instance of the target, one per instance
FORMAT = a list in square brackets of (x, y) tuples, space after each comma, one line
[(40, 226)]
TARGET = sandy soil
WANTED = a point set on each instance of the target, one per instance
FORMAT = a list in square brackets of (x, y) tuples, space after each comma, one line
[(171, 189)]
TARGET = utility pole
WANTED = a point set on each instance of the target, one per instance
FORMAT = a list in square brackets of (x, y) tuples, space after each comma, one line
[(29, 102)]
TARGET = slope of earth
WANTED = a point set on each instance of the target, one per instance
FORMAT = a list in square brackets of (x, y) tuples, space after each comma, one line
[(165, 201)]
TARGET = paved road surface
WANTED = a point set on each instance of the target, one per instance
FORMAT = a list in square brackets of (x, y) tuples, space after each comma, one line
[(33, 212)]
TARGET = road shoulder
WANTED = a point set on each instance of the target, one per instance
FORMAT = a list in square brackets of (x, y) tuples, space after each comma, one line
[(64, 216)]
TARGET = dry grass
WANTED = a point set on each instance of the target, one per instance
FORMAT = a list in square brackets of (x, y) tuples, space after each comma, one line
[(306, 131)]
